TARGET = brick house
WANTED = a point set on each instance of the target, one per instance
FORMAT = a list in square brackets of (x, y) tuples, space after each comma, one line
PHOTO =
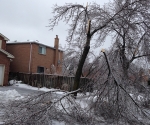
[(34, 57), (5, 59)]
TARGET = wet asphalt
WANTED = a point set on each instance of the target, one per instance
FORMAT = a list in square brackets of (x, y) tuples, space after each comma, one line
[(21, 91)]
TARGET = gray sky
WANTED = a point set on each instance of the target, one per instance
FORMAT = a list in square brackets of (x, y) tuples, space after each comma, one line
[(23, 20)]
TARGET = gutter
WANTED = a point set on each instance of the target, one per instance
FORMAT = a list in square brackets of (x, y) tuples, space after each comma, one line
[(30, 60)]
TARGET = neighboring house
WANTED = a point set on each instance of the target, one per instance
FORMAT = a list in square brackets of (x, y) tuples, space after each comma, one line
[(34, 57), (5, 59)]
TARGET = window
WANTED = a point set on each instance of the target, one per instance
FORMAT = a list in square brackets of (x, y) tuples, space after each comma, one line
[(42, 50), (40, 69), (0, 44)]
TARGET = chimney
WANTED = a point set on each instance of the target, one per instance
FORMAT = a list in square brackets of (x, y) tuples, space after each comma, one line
[(56, 45), (56, 42)]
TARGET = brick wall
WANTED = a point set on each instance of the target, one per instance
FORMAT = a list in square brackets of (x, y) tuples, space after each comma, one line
[(42, 60), (59, 66), (22, 54), (3, 43), (22, 61), (5, 61)]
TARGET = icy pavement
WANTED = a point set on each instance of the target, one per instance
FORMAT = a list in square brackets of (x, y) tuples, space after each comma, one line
[(5, 97), (14, 92), (22, 91)]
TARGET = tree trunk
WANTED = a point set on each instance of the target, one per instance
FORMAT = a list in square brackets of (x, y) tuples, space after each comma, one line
[(82, 60), (79, 69)]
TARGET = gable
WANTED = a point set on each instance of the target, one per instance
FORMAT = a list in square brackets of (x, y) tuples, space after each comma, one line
[(5, 38), (6, 53)]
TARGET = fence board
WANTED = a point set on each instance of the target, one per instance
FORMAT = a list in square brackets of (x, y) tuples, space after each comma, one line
[(50, 80)]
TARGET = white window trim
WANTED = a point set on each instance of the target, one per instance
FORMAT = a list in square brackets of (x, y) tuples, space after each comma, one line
[(3, 75), (42, 47), (0, 44)]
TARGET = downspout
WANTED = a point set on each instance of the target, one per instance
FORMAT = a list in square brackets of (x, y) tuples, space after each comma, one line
[(30, 57), (59, 55), (56, 46)]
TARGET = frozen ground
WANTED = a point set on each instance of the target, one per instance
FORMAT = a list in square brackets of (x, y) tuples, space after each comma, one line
[(20, 91), (16, 92)]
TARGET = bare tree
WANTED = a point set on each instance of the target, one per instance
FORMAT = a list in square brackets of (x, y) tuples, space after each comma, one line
[(126, 18), (71, 58), (131, 31), (115, 99)]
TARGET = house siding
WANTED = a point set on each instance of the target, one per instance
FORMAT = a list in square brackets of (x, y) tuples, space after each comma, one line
[(22, 58), (22, 54), (60, 57), (6, 62), (3, 43), (42, 60)]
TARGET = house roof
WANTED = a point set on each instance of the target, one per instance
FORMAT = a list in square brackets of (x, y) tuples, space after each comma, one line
[(6, 53), (28, 42), (5, 38)]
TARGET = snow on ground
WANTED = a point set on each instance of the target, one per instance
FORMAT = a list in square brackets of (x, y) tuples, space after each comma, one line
[(138, 97), (25, 86), (11, 82), (5, 97), (14, 95), (10, 95), (83, 100)]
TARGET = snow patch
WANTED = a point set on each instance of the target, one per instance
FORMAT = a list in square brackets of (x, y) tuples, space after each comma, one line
[(25, 86), (21, 85), (11, 82), (137, 97), (10, 95)]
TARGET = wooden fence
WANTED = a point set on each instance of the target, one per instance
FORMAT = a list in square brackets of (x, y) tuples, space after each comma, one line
[(50, 80)]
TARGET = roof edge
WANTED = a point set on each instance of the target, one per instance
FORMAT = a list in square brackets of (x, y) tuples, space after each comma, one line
[(5, 38), (7, 53), (28, 42)]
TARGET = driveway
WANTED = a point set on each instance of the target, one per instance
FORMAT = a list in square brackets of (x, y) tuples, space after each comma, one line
[(21, 91)]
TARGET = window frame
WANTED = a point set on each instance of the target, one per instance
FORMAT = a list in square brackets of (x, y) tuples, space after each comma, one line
[(40, 67), (43, 50)]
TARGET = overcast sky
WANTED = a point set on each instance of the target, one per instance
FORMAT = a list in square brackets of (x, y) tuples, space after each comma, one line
[(24, 20)]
